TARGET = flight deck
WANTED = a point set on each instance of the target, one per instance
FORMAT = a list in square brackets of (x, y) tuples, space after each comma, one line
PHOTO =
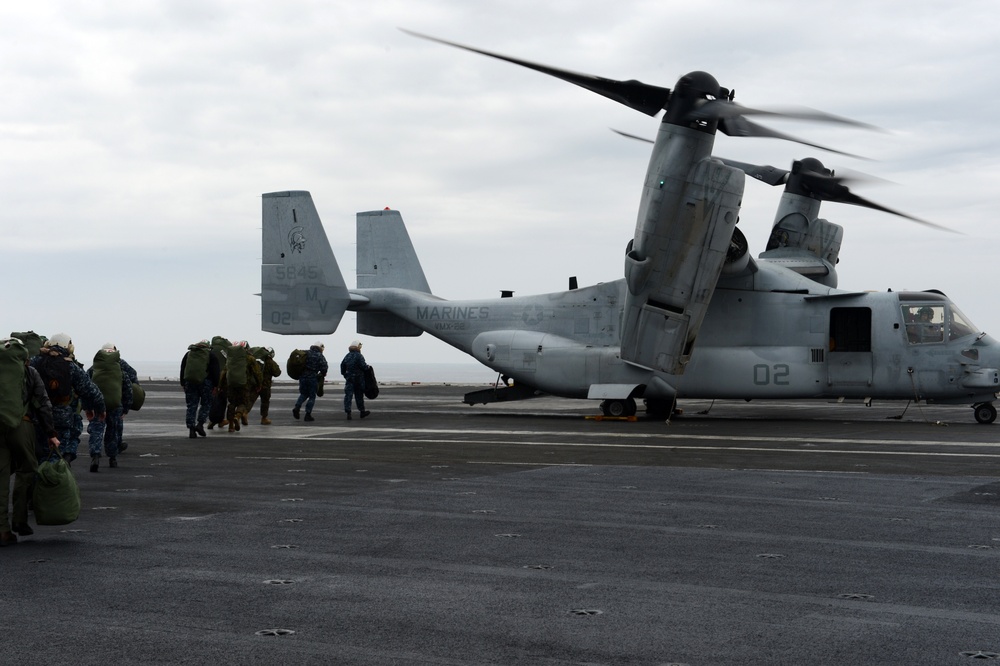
[(433, 532)]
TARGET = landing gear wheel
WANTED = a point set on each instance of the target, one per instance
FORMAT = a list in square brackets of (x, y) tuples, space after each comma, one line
[(618, 407), (985, 412)]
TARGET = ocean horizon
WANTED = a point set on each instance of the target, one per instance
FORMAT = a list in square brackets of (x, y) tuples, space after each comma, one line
[(396, 373)]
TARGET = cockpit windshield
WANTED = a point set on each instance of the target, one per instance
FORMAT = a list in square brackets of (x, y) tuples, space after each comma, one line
[(934, 322)]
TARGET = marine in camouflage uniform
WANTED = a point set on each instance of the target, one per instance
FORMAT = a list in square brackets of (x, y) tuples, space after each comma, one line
[(58, 350), (269, 370), (242, 380), (314, 372), (353, 368), (24, 460)]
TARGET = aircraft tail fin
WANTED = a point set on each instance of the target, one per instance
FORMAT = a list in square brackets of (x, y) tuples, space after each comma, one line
[(386, 259), (302, 289)]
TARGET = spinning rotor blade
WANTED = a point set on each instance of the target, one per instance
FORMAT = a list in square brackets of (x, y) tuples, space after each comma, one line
[(720, 109), (740, 126), (765, 173), (809, 180), (832, 188), (633, 94)]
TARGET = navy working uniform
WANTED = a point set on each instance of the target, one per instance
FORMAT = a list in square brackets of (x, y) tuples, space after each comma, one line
[(314, 373), (353, 368), (65, 380), (200, 380)]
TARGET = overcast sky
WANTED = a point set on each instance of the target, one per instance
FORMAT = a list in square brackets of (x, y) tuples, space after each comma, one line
[(137, 137)]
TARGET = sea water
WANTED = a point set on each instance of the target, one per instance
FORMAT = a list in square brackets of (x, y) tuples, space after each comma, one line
[(396, 373)]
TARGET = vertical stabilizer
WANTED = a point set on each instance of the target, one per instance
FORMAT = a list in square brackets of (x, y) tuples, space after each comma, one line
[(302, 288), (386, 257)]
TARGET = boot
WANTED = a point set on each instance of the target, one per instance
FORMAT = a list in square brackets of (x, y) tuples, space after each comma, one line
[(243, 418), (211, 425), (309, 417), (232, 425), (348, 416), (200, 429), (95, 462), (112, 462), (365, 413), (236, 421), (265, 421), (68, 457), (192, 433), (23, 530), (295, 412)]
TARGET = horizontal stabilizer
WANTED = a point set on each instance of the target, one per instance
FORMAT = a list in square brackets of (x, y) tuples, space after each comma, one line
[(302, 289)]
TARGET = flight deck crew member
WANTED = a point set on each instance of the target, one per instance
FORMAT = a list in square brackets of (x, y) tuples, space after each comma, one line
[(66, 380), (113, 379), (314, 373), (269, 370), (353, 368)]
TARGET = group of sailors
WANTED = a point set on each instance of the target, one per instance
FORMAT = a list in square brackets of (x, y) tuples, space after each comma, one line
[(222, 381)]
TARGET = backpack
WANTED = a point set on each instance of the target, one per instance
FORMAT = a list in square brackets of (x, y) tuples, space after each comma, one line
[(107, 374), (57, 376), (296, 363), (371, 384), (196, 366), (13, 356), (31, 340), (236, 366), (138, 397)]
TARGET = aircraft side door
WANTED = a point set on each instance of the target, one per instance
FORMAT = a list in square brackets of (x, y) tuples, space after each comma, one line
[(850, 362)]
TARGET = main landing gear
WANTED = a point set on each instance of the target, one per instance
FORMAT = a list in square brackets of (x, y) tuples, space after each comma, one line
[(616, 407), (985, 412)]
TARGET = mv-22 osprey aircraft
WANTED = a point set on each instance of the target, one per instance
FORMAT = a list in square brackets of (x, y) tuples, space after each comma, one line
[(694, 315)]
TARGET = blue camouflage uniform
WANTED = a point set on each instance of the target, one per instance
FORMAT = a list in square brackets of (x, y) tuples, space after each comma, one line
[(316, 369), (109, 431), (64, 412), (353, 368), (129, 377), (198, 396)]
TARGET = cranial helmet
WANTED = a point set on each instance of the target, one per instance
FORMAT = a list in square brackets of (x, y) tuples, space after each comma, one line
[(60, 340)]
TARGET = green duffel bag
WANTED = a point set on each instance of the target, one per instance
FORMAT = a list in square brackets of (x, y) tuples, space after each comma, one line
[(56, 497), (138, 397)]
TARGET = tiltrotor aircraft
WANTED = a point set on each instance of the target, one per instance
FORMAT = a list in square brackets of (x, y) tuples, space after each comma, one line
[(695, 316)]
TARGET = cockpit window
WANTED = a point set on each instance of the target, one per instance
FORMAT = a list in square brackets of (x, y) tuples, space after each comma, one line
[(960, 326), (926, 323)]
